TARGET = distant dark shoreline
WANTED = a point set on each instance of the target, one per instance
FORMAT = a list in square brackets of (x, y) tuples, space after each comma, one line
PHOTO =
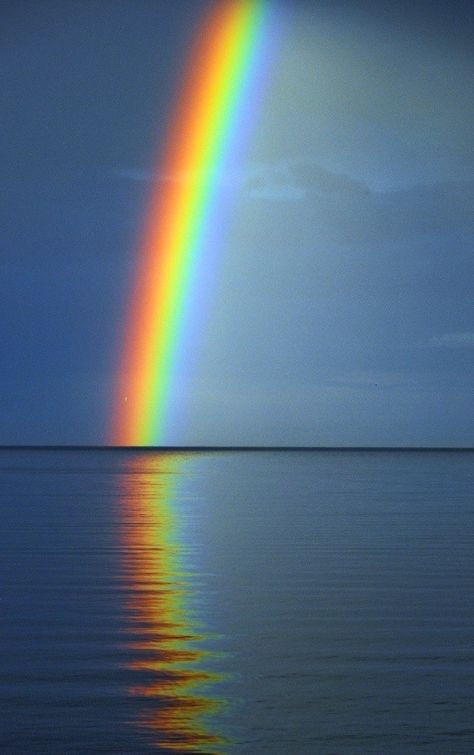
[(197, 449)]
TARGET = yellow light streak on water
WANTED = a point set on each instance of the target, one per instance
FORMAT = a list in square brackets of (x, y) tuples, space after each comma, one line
[(165, 639)]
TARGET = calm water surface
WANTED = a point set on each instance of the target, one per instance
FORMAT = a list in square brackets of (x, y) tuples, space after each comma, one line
[(259, 602)]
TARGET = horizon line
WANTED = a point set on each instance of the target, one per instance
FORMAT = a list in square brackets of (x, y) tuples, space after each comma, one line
[(198, 448)]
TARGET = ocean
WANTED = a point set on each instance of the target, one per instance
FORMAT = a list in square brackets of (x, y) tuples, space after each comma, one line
[(236, 601)]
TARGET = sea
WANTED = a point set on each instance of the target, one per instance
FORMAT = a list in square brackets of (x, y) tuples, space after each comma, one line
[(235, 601)]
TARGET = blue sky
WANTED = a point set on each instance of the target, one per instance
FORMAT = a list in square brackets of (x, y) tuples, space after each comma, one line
[(341, 306)]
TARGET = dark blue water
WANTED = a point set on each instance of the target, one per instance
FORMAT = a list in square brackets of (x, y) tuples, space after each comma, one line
[(274, 602)]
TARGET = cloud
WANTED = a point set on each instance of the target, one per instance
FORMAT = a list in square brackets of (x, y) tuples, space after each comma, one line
[(258, 189), (134, 174), (260, 181), (147, 176), (461, 340), (229, 179), (289, 180), (375, 379), (283, 181), (272, 182), (312, 176)]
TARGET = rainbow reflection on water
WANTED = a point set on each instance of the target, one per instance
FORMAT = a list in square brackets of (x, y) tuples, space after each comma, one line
[(166, 641)]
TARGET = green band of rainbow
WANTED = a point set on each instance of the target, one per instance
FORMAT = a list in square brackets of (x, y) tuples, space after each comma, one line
[(203, 122)]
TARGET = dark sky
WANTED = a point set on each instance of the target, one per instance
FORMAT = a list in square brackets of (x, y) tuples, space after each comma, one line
[(342, 311)]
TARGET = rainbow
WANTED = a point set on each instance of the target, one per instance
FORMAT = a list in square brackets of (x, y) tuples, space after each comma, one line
[(208, 118), (173, 672)]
